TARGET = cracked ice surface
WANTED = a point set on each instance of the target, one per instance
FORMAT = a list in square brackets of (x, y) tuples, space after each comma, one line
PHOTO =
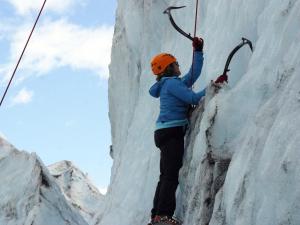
[(254, 121), (77, 189), (29, 194)]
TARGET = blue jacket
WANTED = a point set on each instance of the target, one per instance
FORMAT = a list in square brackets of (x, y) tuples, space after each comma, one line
[(175, 96)]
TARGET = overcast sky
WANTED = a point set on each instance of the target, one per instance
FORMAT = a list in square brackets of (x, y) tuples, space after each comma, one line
[(57, 105)]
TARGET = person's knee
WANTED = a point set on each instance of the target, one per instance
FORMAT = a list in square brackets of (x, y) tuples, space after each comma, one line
[(171, 178)]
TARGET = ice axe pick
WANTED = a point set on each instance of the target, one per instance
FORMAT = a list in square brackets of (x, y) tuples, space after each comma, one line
[(168, 11)]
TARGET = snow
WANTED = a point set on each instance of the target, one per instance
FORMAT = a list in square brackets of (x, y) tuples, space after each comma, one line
[(77, 189), (253, 121), (241, 160), (30, 194)]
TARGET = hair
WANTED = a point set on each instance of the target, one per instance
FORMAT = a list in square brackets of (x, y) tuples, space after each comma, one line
[(168, 72)]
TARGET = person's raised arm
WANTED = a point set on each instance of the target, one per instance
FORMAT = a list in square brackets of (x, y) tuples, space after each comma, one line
[(194, 73), (182, 92)]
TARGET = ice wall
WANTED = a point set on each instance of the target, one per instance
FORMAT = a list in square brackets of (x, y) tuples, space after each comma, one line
[(77, 189), (253, 123), (28, 193)]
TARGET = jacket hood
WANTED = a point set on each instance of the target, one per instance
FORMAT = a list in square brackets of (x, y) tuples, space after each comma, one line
[(156, 88)]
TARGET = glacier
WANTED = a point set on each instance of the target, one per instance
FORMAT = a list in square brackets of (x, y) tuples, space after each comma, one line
[(250, 127), (77, 189), (241, 162), (33, 194)]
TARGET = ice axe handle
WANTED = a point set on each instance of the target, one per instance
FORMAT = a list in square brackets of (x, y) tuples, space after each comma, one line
[(244, 42), (168, 11)]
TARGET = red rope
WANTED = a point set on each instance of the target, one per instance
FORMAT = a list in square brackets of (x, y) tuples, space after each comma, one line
[(195, 31), (15, 70), (196, 17)]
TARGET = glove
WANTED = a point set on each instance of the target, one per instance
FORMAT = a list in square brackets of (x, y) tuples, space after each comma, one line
[(198, 44), (221, 79)]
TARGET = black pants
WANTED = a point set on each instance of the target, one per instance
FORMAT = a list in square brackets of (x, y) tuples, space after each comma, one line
[(170, 141)]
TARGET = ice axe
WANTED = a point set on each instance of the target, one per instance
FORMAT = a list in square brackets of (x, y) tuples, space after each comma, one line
[(168, 11), (224, 76), (226, 69), (245, 41)]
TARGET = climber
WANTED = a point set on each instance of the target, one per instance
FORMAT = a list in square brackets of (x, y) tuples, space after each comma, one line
[(175, 98)]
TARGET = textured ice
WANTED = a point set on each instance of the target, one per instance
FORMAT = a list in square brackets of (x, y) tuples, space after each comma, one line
[(28, 193), (242, 159), (253, 122), (31, 195), (77, 189)]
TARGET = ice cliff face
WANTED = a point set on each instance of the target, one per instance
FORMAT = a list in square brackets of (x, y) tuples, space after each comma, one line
[(77, 189), (30, 195), (250, 127)]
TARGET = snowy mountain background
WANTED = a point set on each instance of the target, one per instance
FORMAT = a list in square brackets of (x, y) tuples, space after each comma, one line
[(31, 194), (250, 127), (77, 189)]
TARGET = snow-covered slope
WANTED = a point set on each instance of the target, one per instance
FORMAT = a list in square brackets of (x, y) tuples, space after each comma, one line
[(77, 189), (253, 123), (29, 194)]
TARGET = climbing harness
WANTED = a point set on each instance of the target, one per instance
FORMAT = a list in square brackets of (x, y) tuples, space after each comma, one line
[(21, 56)]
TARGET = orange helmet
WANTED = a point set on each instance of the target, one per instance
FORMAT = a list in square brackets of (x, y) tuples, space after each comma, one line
[(160, 62)]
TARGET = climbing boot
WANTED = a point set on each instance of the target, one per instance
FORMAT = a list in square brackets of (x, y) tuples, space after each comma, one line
[(151, 222), (165, 220)]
